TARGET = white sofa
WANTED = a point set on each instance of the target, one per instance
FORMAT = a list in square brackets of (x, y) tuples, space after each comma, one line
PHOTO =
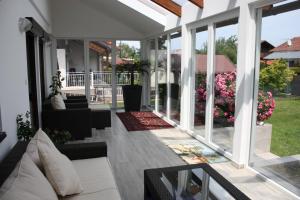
[(90, 162), (97, 180)]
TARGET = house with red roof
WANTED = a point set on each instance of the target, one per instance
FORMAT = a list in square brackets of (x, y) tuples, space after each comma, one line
[(223, 63), (290, 51)]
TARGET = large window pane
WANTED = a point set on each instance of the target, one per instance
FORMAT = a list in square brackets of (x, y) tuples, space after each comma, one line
[(200, 80), (100, 74), (175, 76), (128, 52), (276, 138), (70, 61), (162, 74), (224, 84)]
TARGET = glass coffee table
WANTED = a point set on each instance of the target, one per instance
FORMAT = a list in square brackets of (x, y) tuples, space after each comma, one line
[(188, 182)]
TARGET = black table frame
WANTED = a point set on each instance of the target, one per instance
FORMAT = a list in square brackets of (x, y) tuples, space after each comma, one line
[(155, 189)]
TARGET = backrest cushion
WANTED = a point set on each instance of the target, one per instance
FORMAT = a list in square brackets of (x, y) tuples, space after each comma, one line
[(32, 148), (57, 102), (27, 182), (59, 171)]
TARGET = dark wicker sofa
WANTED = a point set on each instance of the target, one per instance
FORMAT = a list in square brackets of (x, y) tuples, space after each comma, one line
[(77, 118), (72, 151), (89, 160)]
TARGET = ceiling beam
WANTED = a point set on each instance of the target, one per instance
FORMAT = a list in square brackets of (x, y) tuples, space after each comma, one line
[(198, 3), (170, 6)]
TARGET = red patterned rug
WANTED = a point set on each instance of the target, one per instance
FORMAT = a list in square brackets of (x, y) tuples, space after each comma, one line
[(141, 121)]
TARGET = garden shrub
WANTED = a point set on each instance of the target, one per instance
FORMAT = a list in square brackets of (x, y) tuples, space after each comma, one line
[(224, 102), (276, 76)]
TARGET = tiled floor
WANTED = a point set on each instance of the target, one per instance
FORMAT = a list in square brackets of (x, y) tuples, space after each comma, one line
[(130, 153)]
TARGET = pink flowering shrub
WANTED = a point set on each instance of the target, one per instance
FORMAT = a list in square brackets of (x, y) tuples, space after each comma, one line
[(224, 105), (265, 106)]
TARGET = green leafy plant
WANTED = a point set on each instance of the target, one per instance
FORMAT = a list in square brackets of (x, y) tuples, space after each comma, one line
[(276, 76), (24, 128), (56, 84), (131, 68), (58, 136)]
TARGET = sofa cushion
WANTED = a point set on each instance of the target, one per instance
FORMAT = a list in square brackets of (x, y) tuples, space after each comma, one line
[(57, 102), (59, 171), (32, 148), (27, 182), (97, 180)]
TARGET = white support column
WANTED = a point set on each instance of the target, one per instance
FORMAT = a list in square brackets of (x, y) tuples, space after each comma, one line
[(47, 66), (53, 55), (148, 99), (156, 76), (168, 76), (210, 79), (144, 76), (256, 81), (192, 81), (186, 66), (113, 75), (244, 84), (87, 69), (38, 79)]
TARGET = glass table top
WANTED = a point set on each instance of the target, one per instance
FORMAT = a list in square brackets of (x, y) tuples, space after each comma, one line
[(193, 184), (189, 182)]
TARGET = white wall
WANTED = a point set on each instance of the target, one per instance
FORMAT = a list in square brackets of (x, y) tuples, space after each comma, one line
[(78, 20), (13, 62)]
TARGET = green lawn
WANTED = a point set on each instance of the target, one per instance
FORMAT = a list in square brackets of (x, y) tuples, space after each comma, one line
[(286, 126)]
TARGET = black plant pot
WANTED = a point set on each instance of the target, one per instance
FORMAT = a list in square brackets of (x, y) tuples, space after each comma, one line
[(132, 95)]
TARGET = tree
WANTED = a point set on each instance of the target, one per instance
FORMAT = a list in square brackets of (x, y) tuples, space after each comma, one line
[(227, 47), (276, 76), (129, 52)]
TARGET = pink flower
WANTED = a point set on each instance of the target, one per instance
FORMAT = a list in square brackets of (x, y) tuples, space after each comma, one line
[(225, 89)]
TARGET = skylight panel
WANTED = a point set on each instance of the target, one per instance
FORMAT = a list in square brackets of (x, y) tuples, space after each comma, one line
[(180, 2)]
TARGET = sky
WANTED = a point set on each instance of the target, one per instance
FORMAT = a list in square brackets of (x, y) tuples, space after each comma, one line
[(280, 28)]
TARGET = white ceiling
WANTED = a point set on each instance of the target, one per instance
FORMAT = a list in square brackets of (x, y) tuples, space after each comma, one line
[(126, 15)]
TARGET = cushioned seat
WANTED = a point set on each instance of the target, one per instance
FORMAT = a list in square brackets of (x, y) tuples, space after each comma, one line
[(97, 180)]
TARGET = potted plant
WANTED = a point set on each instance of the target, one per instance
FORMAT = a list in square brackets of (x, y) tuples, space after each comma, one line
[(56, 84), (25, 131), (132, 93)]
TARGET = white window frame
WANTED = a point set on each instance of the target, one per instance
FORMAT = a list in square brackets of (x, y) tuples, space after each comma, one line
[(210, 23)]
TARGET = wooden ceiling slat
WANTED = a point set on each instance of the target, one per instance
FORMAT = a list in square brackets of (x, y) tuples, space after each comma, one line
[(198, 3), (170, 6)]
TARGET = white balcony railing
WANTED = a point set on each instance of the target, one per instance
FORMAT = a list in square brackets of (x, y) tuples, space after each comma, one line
[(97, 79)]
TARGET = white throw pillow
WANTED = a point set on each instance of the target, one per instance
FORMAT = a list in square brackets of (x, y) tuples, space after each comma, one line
[(27, 182), (32, 148), (59, 171), (57, 102)]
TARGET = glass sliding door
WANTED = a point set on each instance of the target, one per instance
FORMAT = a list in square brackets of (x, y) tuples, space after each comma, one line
[(127, 52), (70, 62), (175, 76), (152, 72), (162, 74), (224, 84), (275, 141), (200, 70), (100, 73)]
